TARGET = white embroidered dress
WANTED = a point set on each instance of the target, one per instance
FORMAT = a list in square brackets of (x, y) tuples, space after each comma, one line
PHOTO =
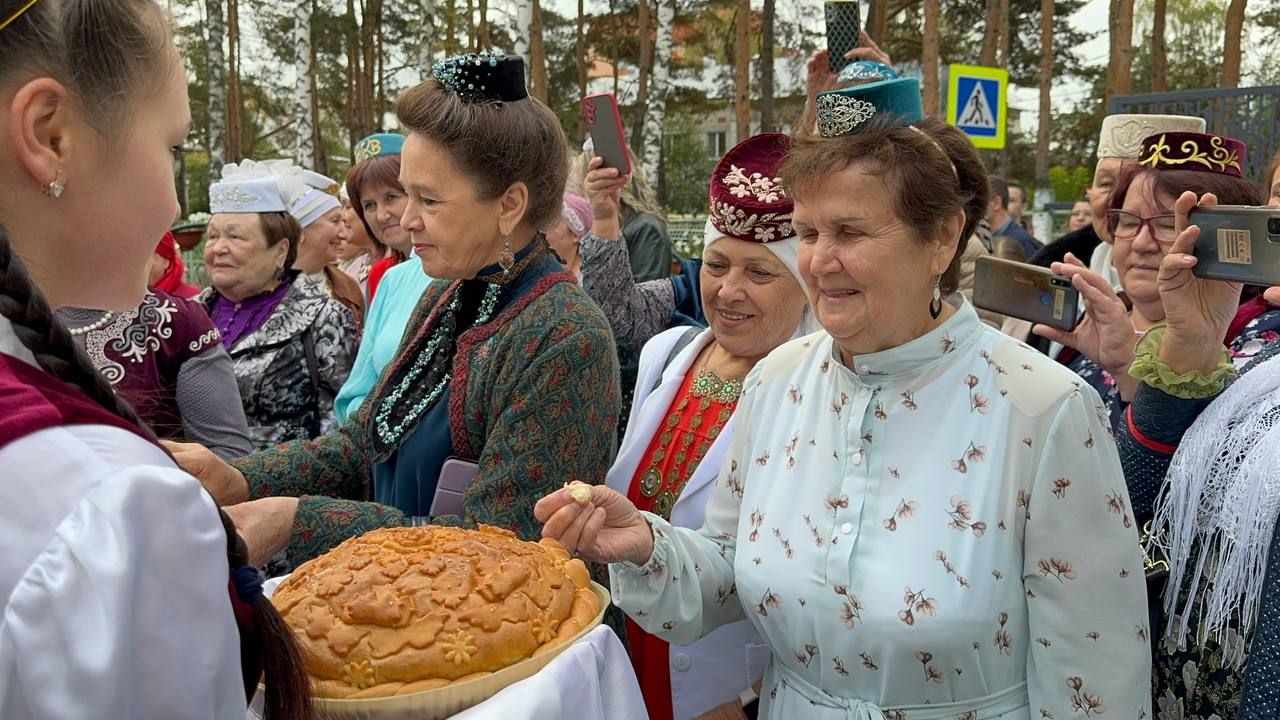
[(941, 532)]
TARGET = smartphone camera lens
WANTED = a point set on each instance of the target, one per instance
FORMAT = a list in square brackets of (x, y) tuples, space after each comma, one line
[(1273, 226)]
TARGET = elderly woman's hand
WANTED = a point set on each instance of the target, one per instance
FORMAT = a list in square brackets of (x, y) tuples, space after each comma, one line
[(225, 483), (1105, 334), (603, 187), (818, 75), (1197, 311), (868, 50), (266, 525), (608, 528)]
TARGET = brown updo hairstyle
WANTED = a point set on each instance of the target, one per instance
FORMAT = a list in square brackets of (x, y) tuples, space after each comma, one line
[(107, 53), (915, 162), (381, 171), (280, 227), (496, 144), (1172, 183)]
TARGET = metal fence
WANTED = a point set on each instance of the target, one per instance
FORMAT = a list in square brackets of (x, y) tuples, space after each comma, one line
[(686, 233), (1251, 115)]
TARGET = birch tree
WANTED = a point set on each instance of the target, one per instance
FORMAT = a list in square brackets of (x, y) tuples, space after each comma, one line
[(642, 86), (524, 22), (217, 34), (304, 89), (425, 50), (656, 112)]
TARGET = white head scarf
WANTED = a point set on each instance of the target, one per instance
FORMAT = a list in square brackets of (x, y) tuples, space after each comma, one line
[(787, 252)]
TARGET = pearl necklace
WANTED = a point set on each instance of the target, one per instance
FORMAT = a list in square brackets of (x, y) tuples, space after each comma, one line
[(98, 325)]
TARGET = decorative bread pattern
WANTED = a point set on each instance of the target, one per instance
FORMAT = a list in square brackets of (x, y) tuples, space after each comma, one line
[(402, 610)]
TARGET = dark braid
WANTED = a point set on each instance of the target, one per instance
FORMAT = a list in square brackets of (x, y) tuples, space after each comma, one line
[(22, 303), (47, 338), (287, 684)]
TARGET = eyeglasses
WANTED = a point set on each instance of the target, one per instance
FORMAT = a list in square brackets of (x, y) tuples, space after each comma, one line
[(1126, 225)]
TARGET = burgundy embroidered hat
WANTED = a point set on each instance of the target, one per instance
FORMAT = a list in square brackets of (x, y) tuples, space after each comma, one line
[(1194, 151), (746, 200)]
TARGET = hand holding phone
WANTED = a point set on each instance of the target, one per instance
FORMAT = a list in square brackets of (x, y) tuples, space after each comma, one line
[(844, 29), (1104, 332), (1028, 292), (1199, 282), (604, 125)]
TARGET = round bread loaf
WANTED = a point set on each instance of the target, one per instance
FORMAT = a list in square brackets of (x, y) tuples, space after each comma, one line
[(403, 610)]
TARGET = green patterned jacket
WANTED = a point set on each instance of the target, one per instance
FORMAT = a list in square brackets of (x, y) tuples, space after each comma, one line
[(534, 402)]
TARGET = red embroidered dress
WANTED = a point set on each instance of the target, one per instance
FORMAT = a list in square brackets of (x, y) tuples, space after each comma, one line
[(695, 419)]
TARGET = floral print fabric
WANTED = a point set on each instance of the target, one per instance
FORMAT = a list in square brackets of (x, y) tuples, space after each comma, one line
[(940, 531)]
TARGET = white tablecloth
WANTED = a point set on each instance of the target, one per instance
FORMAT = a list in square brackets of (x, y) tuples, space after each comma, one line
[(592, 679)]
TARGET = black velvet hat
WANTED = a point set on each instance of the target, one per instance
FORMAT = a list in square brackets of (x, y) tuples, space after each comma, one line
[(483, 77)]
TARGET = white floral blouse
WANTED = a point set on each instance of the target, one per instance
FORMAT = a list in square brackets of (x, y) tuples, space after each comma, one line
[(942, 531)]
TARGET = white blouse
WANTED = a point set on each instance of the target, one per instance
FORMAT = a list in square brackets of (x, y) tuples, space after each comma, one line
[(113, 581), (941, 532)]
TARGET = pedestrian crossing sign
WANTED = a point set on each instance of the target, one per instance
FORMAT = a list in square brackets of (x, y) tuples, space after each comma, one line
[(976, 104)]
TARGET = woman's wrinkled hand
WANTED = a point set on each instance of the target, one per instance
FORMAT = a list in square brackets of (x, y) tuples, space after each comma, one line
[(604, 189), (1105, 334), (266, 525), (226, 484), (868, 50), (1195, 309), (607, 529)]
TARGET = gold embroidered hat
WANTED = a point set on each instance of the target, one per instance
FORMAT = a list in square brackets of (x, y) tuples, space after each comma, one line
[(1194, 151), (746, 199)]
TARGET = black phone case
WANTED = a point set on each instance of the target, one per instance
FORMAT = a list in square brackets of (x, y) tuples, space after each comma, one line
[(1236, 243), (605, 127), (844, 22), (1027, 292)]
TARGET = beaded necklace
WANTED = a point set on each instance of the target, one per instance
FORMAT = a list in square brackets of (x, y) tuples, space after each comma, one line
[(415, 387)]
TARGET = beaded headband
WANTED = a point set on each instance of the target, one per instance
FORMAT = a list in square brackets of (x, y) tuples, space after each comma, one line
[(17, 14), (866, 70), (481, 77), (1194, 151)]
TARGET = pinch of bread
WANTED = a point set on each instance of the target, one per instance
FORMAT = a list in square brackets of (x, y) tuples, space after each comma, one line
[(580, 491)]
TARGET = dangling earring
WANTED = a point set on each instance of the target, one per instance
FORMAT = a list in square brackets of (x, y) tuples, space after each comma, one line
[(935, 305), (507, 259), (56, 188)]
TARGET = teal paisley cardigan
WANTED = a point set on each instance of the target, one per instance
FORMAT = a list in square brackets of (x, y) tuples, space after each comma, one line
[(534, 402)]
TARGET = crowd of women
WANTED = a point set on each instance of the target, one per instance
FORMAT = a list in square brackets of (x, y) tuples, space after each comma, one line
[(839, 491)]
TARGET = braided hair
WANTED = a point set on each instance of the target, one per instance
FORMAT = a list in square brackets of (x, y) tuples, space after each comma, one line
[(267, 643)]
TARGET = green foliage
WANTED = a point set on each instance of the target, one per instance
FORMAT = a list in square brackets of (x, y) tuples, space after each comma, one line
[(687, 166), (1069, 184)]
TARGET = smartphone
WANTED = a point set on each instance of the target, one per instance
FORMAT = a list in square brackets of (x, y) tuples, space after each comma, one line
[(456, 475), (844, 22), (1238, 243), (605, 127), (1026, 292)]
